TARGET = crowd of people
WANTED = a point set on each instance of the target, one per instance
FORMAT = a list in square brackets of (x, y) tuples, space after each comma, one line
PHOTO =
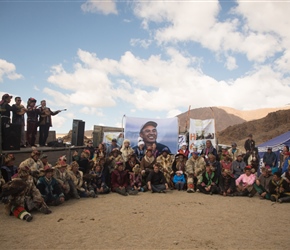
[(37, 184), (36, 116)]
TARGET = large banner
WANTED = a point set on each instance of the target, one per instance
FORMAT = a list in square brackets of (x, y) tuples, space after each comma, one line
[(163, 132), (199, 132), (109, 136)]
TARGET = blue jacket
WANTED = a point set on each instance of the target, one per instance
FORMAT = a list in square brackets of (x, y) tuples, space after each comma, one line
[(177, 178)]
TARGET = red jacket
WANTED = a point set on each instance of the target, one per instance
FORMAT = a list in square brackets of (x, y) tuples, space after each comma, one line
[(119, 179)]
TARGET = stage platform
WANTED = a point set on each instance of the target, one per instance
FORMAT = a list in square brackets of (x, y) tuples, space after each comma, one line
[(53, 153)]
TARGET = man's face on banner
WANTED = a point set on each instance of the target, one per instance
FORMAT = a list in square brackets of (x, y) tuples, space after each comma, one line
[(149, 134)]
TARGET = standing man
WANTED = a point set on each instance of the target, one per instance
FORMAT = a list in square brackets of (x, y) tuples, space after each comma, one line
[(44, 122), (148, 133), (18, 111), (249, 144), (5, 109)]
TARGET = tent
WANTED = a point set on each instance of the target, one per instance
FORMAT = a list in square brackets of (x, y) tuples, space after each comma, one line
[(276, 144)]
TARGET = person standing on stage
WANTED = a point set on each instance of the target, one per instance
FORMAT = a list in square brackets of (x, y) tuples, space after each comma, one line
[(45, 122), (32, 122), (18, 111), (5, 109)]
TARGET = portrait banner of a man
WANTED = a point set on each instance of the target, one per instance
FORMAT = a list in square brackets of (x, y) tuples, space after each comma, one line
[(162, 132)]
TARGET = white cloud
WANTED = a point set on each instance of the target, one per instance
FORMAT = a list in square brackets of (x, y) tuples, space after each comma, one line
[(58, 121), (144, 43), (92, 111), (8, 69), (173, 112), (105, 7), (259, 30), (231, 63), (170, 84)]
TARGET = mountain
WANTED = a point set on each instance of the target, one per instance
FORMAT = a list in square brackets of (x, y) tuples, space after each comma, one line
[(222, 118), (264, 129)]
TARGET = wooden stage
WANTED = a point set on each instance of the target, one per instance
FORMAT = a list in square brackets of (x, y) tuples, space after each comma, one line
[(53, 153)]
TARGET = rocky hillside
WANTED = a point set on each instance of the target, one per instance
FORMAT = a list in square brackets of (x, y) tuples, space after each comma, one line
[(264, 129), (222, 118)]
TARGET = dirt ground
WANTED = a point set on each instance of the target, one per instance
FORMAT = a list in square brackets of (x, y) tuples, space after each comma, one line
[(175, 220)]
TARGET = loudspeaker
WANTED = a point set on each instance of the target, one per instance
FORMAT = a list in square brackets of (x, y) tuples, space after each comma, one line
[(78, 131), (11, 137)]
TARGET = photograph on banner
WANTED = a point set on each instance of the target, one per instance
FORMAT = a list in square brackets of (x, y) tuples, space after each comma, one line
[(109, 136), (199, 132), (163, 132), (181, 140)]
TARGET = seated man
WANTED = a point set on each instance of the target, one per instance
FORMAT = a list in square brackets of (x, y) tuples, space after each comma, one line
[(227, 185), (98, 182), (49, 188), (263, 182), (279, 189), (195, 166), (245, 183), (120, 181), (156, 180), (238, 166), (209, 181)]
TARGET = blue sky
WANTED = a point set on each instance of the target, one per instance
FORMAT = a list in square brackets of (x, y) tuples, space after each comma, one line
[(105, 59)]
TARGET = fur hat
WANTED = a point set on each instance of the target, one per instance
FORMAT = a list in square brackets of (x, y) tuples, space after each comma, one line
[(126, 140), (119, 163), (149, 149), (34, 153), (179, 172), (61, 164), (48, 168), (62, 158), (23, 171), (166, 149), (74, 164), (136, 169), (8, 158), (115, 150)]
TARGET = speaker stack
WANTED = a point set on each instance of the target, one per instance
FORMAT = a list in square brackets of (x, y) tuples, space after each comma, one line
[(78, 131), (11, 136)]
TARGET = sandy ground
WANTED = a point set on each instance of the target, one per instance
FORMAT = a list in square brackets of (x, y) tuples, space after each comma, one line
[(175, 220)]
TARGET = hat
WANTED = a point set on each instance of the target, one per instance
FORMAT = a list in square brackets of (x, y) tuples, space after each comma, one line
[(5, 96), (269, 148), (152, 123), (9, 157), (43, 156), (240, 154), (141, 143), (48, 168), (179, 172), (180, 154), (62, 158), (166, 149), (61, 164), (266, 169), (250, 135), (148, 149), (114, 140), (31, 99), (248, 168), (234, 144), (35, 152), (195, 153), (115, 150), (136, 169), (23, 171), (119, 163), (183, 144), (126, 141)]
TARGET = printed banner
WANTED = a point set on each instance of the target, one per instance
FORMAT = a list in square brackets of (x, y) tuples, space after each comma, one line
[(109, 136), (181, 140), (163, 132), (199, 132)]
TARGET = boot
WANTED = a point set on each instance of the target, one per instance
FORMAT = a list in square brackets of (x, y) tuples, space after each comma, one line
[(28, 217), (44, 209)]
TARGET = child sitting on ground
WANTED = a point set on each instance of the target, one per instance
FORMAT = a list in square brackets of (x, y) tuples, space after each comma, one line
[(179, 180)]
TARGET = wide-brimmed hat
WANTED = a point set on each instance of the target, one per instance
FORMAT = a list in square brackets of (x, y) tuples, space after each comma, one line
[(179, 154), (6, 96)]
